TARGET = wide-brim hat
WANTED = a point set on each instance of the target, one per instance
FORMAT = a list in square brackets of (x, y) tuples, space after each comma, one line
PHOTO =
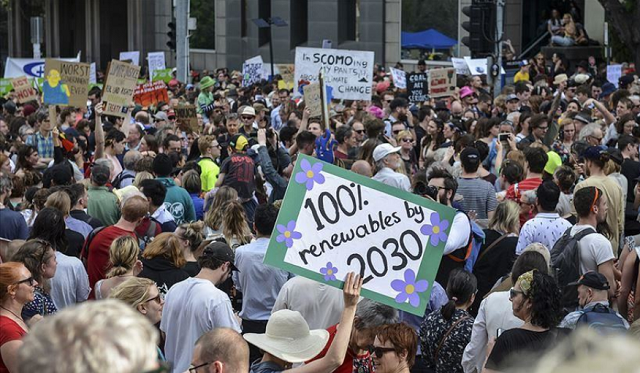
[(288, 337)]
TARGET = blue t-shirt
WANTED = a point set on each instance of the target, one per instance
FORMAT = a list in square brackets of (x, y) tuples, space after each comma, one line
[(13, 226)]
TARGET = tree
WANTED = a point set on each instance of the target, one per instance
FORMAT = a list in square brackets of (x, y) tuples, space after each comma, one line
[(623, 17)]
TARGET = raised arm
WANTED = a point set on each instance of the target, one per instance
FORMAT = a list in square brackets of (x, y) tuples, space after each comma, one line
[(606, 114), (99, 133)]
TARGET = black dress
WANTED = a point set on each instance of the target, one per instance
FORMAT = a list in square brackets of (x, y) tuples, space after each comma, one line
[(520, 348)]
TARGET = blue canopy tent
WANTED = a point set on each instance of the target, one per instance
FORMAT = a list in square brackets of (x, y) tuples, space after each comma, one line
[(428, 39)]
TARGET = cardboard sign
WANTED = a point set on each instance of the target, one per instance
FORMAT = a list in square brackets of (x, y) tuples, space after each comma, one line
[(66, 83), (119, 87), (24, 90), (477, 66), (313, 99), (149, 94), (286, 71), (156, 62), (187, 118), (348, 73), (133, 56), (614, 72), (399, 78), (252, 71), (163, 75), (442, 82), (418, 87), (333, 221)]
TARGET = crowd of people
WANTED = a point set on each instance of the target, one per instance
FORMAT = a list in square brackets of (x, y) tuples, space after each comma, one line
[(136, 244)]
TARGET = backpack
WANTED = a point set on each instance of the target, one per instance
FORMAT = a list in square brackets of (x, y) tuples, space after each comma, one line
[(84, 254), (565, 261), (602, 319), (120, 178)]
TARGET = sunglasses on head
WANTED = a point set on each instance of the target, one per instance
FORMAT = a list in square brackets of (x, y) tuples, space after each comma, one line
[(380, 351)]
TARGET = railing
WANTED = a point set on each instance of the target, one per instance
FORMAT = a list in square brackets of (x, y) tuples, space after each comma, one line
[(534, 44)]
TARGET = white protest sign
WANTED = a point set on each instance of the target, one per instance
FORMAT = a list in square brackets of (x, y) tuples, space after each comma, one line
[(156, 62), (614, 72), (92, 73), (134, 56), (442, 82), (252, 71), (348, 73), (399, 78), (477, 66), (461, 66)]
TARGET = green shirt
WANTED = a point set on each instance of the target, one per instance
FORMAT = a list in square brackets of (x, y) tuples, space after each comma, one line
[(103, 205)]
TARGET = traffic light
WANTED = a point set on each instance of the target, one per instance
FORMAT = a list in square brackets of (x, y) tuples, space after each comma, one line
[(172, 35), (481, 28)]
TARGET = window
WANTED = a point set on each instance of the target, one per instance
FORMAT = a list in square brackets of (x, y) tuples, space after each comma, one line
[(299, 21), (264, 12), (204, 37), (348, 20), (243, 18)]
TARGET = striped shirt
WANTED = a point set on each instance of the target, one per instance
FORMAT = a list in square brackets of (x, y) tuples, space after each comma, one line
[(515, 191), (478, 195)]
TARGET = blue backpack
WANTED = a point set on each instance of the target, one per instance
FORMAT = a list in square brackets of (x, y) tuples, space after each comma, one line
[(602, 319)]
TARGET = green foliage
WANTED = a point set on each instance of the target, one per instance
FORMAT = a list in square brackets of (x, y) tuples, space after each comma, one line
[(204, 36), (420, 15)]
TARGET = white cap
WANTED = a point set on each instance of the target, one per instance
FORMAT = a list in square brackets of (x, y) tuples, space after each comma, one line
[(383, 150)]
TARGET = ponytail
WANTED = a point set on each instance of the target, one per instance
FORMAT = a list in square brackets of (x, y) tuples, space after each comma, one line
[(461, 287)]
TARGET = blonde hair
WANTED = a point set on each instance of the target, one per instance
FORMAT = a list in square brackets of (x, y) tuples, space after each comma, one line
[(542, 250), (204, 143), (194, 233), (134, 291), (506, 218), (166, 245), (234, 223), (142, 175), (59, 200), (213, 218), (123, 254)]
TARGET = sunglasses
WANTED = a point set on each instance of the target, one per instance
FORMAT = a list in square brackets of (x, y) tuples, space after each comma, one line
[(247, 117), (157, 299), (380, 351), (29, 280), (514, 293), (359, 131), (407, 140)]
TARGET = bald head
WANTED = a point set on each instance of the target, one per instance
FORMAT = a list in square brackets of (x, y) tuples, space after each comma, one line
[(142, 117), (224, 348), (362, 168)]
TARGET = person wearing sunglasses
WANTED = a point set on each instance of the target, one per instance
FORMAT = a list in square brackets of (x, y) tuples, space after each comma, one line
[(404, 139), (40, 259), (394, 349), (16, 290)]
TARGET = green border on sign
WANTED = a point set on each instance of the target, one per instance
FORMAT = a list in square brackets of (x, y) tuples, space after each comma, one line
[(292, 206)]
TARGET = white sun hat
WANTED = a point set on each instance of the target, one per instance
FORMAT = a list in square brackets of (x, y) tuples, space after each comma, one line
[(288, 337)]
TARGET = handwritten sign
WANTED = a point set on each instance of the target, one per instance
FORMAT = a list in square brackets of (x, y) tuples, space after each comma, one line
[(5, 86), (156, 62), (418, 87), (133, 56), (348, 73), (614, 72), (312, 99), (333, 221), (399, 78), (252, 71), (148, 94), (442, 82), (24, 90), (187, 118), (119, 87), (66, 83)]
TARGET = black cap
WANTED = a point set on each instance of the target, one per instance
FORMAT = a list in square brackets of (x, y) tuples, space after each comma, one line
[(615, 155), (594, 152), (220, 251), (593, 280), (470, 156)]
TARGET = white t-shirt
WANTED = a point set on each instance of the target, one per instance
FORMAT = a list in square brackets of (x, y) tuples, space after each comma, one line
[(70, 284), (193, 307), (595, 249)]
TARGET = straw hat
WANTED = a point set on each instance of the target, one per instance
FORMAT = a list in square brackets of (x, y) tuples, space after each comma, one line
[(288, 337)]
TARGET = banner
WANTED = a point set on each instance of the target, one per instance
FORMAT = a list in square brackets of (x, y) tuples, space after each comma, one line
[(252, 71), (31, 67), (312, 99), (442, 82), (163, 75), (133, 56), (399, 78), (66, 83), (348, 73), (614, 72), (333, 221), (418, 87), (149, 94), (477, 66), (187, 118), (24, 90), (156, 62), (92, 74), (119, 87)]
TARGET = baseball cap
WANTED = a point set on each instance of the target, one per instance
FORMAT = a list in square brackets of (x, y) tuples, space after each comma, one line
[(625, 81), (383, 150), (594, 152), (239, 142), (470, 156), (171, 114), (221, 251), (607, 89), (161, 115), (512, 97), (593, 280), (616, 155)]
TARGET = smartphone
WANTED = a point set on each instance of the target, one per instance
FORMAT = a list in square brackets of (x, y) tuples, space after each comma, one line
[(498, 332), (503, 137)]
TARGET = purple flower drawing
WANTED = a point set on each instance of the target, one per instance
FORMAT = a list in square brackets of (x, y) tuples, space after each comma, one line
[(409, 288), (329, 272), (310, 174), (288, 234), (436, 229)]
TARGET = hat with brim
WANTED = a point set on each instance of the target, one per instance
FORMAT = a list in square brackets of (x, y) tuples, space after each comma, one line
[(288, 337), (384, 150), (560, 78)]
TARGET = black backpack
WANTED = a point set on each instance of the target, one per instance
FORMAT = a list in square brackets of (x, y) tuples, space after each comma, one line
[(120, 178), (602, 319), (565, 261)]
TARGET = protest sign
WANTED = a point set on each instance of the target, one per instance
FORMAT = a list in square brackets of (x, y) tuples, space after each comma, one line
[(119, 87), (24, 90), (477, 66), (163, 75), (252, 71), (614, 72), (442, 82), (149, 94), (348, 73), (312, 99), (156, 62), (31, 67), (333, 221), (399, 78), (461, 66), (286, 71), (187, 118), (66, 83), (92, 74), (5, 86), (133, 56), (418, 87)]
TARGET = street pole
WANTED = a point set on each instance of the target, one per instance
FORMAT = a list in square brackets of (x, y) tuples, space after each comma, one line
[(182, 41), (271, 48), (497, 81)]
